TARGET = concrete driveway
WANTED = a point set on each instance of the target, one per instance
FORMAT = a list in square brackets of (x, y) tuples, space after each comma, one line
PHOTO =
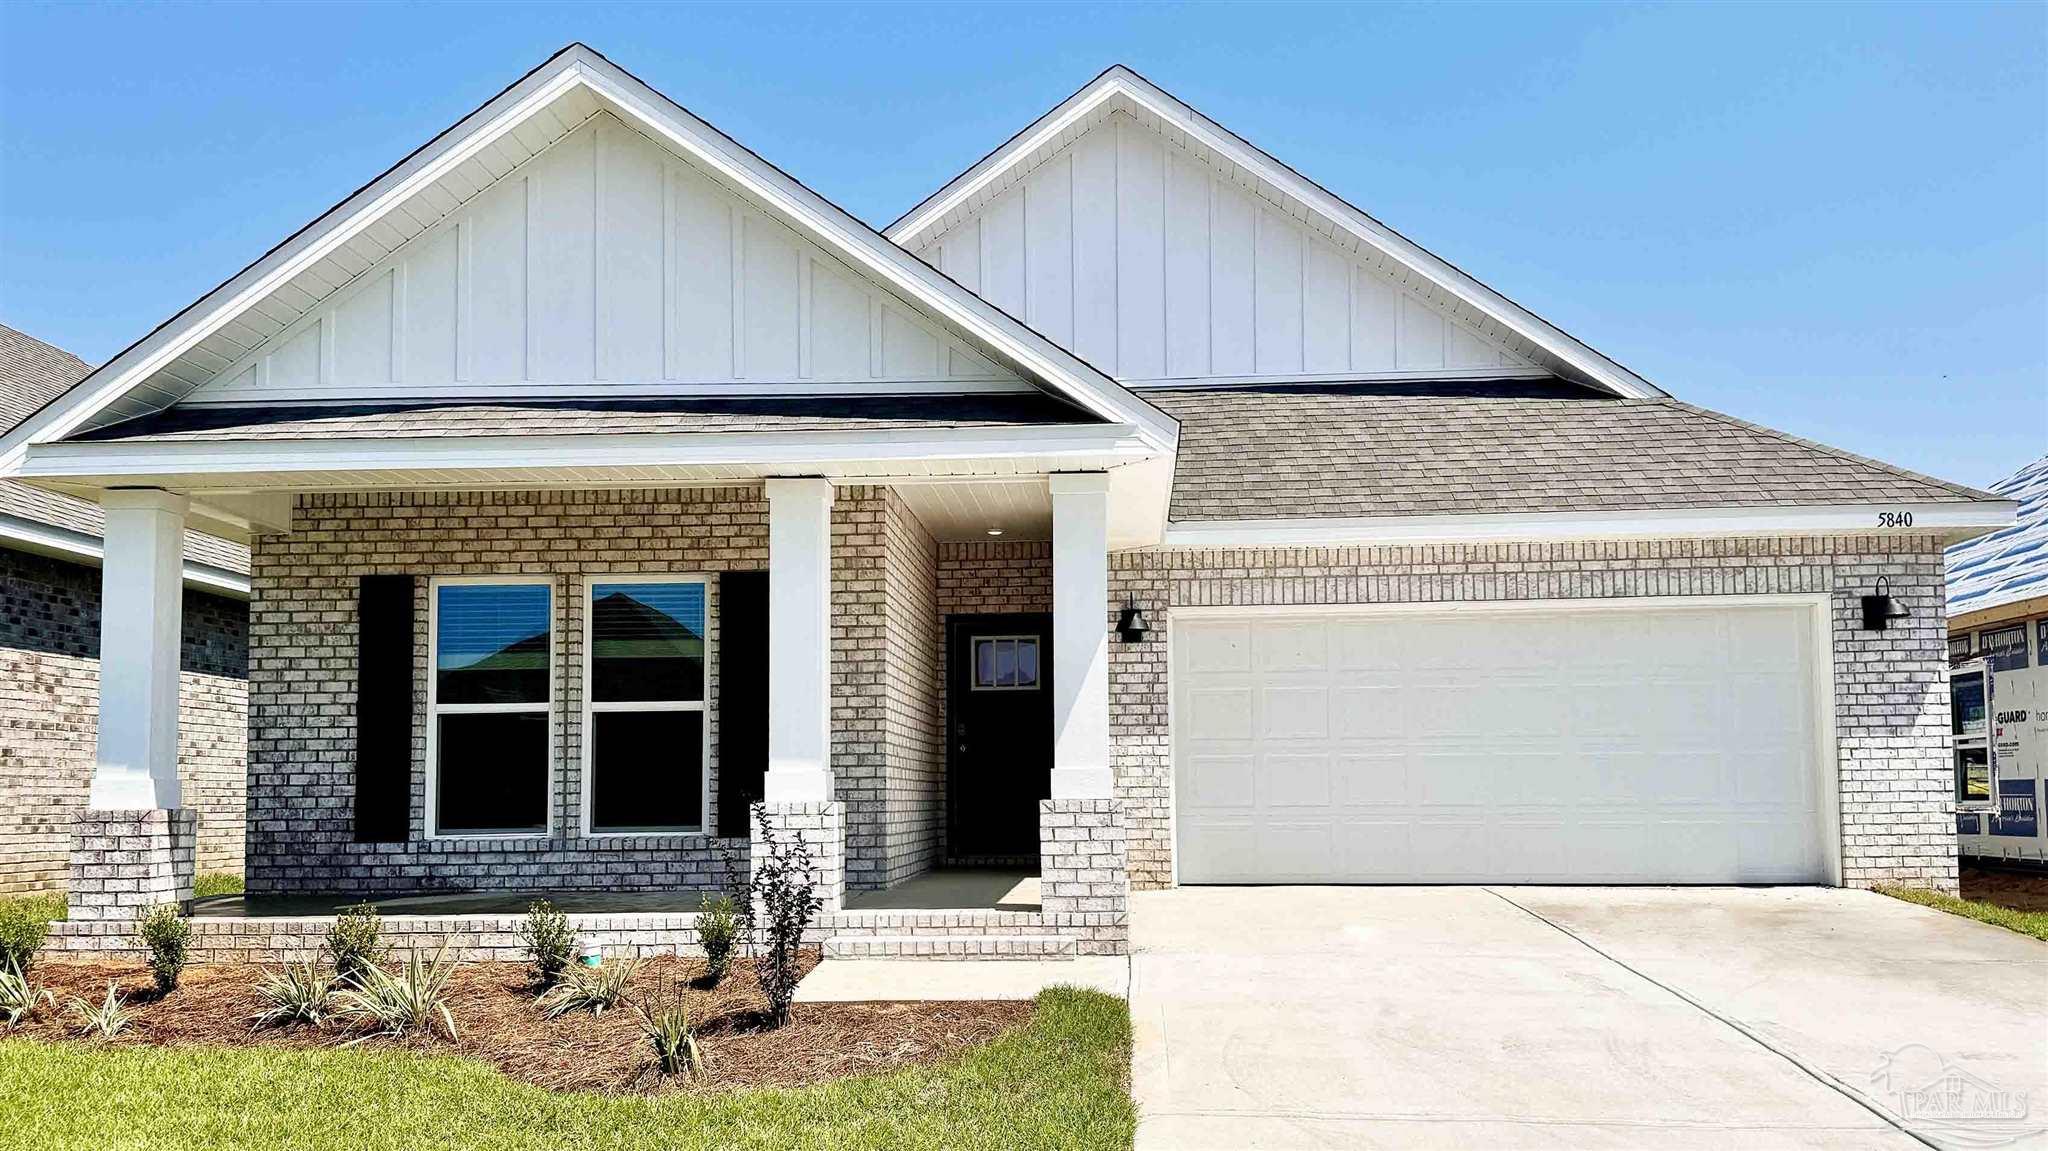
[(1577, 1017)]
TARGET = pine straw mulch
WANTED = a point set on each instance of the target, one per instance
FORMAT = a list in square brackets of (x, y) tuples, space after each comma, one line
[(496, 1022)]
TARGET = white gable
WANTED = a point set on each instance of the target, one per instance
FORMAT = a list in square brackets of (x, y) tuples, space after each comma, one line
[(1207, 239), (603, 265), (1149, 264)]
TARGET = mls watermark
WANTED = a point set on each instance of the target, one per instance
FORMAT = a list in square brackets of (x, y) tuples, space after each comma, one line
[(1938, 1095)]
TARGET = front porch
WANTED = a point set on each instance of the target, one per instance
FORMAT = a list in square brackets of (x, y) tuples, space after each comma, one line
[(794, 657)]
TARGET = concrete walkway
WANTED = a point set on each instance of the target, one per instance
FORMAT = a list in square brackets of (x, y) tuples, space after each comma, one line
[(1580, 1017), (864, 980)]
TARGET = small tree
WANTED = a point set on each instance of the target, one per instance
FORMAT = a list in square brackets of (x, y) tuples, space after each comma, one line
[(353, 941), (166, 934), (785, 899), (718, 928)]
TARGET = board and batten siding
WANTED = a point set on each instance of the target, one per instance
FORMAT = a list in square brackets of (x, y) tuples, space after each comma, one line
[(606, 261), (1142, 260)]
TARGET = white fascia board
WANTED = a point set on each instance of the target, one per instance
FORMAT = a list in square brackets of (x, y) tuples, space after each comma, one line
[(1120, 83), (217, 458), (62, 543), (577, 65), (1942, 519), (830, 226)]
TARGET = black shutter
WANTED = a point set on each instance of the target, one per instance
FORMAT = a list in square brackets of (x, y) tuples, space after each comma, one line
[(384, 708), (742, 696)]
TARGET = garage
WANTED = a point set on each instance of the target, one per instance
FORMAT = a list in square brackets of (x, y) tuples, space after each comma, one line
[(1611, 742)]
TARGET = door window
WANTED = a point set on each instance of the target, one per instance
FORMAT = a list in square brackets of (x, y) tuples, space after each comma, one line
[(1005, 663)]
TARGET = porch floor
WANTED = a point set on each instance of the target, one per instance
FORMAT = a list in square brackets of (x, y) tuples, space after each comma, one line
[(964, 889)]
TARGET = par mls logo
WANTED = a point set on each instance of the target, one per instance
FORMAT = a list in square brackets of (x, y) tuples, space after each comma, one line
[(1935, 1095)]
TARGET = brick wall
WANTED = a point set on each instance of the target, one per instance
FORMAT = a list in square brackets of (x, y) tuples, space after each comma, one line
[(915, 796), (49, 701), (302, 677), (1891, 687)]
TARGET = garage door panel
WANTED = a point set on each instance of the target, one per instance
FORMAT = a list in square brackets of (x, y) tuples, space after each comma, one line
[(1623, 745)]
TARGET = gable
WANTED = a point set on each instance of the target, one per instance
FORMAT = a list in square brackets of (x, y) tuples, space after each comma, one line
[(602, 265), (1117, 258), (341, 274), (1150, 264)]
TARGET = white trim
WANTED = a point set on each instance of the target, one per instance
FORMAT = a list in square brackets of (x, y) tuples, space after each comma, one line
[(1819, 607), (773, 449), (435, 709), (1927, 519), (79, 547), (530, 391), (660, 118), (1264, 171), (1275, 379), (591, 706)]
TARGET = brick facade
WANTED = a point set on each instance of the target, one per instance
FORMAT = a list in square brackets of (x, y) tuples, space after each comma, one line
[(984, 577), (914, 665), (125, 862), (49, 716), (1891, 687)]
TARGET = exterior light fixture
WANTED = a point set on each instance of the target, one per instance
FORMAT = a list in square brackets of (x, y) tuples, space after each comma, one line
[(1879, 608), (1132, 625), (995, 531)]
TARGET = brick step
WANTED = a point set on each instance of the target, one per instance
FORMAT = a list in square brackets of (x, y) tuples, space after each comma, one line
[(950, 947)]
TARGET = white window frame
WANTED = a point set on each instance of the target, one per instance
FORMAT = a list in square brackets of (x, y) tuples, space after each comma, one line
[(435, 709), (591, 706), (974, 668), (1979, 740)]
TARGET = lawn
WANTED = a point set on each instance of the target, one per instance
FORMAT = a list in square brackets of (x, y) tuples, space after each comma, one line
[(1058, 1082), (2034, 923)]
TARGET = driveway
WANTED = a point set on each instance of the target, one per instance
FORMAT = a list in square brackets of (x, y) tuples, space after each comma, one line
[(1575, 1017)]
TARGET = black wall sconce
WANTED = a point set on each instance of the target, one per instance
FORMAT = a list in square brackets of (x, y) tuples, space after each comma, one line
[(1132, 625), (1879, 608)]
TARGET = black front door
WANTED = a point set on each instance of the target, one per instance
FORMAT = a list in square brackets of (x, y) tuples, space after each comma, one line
[(999, 746)]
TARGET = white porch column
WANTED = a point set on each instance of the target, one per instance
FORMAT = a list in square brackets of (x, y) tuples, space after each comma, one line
[(1080, 636), (799, 641), (141, 606)]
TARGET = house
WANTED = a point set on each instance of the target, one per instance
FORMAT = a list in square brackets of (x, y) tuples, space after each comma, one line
[(1998, 646), (1133, 508), (49, 657)]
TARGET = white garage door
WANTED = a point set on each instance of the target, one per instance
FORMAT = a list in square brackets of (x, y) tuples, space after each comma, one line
[(1576, 745)]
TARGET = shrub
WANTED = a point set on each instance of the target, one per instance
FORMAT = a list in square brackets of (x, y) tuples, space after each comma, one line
[(352, 941), (300, 993), (24, 924), (167, 936), (589, 989), (786, 899), (19, 998), (108, 1019), (674, 1037), (550, 945), (396, 1005), (718, 928), (216, 883)]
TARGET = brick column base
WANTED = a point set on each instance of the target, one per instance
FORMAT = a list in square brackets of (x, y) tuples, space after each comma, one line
[(1083, 877), (123, 862), (822, 827)]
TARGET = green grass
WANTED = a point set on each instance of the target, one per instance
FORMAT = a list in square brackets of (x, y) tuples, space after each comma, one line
[(216, 883), (1059, 1082), (2034, 923)]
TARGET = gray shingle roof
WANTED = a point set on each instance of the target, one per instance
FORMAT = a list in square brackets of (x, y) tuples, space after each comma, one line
[(1325, 451), (599, 417), (31, 374)]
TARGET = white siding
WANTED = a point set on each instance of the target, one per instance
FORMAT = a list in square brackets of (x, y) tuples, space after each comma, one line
[(606, 264), (1144, 261)]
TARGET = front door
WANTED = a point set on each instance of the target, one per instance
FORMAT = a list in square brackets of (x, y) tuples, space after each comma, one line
[(999, 716)]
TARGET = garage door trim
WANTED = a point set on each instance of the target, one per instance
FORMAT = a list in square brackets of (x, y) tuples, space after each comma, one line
[(1818, 606)]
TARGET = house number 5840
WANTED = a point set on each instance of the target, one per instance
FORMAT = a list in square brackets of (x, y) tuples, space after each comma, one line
[(1895, 519)]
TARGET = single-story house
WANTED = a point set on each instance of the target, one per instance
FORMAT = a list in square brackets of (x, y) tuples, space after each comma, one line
[(49, 658), (1133, 508)]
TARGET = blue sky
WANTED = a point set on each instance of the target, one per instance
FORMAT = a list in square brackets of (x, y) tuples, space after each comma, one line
[(1829, 219)]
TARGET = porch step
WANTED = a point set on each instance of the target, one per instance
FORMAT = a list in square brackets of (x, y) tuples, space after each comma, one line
[(950, 947)]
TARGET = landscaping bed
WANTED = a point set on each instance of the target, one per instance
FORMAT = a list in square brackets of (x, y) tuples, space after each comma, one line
[(497, 1022)]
